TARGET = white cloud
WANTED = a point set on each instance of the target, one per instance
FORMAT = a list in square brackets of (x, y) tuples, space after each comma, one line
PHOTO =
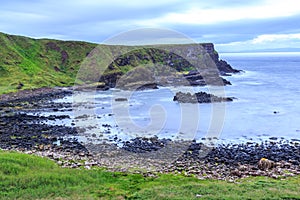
[(202, 15), (262, 42), (275, 38)]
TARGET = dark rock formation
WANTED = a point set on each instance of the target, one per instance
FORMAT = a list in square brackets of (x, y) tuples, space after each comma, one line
[(196, 79), (52, 46), (110, 79), (64, 57), (222, 65), (143, 145), (148, 86), (240, 160), (121, 99), (200, 97)]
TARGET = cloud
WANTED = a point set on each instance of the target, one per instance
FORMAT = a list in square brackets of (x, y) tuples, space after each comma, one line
[(200, 15), (224, 22), (262, 39), (264, 43)]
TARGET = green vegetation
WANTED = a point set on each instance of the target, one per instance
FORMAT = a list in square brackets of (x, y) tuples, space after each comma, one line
[(27, 63), (31, 177)]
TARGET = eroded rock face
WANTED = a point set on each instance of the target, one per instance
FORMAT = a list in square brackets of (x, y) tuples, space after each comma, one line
[(200, 97)]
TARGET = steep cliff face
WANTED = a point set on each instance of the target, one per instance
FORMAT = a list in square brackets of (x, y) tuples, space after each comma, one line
[(27, 63), (222, 65)]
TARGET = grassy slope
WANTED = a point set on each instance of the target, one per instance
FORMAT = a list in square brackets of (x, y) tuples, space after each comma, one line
[(35, 64), (31, 177)]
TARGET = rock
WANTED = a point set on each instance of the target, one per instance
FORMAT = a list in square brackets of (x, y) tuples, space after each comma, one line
[(148, 86), (236, 172), (138, 85), (265, 164), (143, 145), (121, 99), (200, 97), (20, 85), (87, 167)]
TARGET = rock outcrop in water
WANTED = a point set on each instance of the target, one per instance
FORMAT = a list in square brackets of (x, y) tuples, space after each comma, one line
[(200, 97)]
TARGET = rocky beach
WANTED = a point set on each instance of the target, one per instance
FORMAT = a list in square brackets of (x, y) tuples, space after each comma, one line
[(31, 134)]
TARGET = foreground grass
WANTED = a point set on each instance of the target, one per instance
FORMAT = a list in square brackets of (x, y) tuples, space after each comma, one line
[(30, 177)]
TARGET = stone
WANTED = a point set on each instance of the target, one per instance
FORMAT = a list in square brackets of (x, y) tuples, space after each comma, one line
[(265, 164), (121, 99)]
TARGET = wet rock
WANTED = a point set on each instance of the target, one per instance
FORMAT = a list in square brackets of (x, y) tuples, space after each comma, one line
[(148, 86), (142, 145), (121, 99), (200, 97)]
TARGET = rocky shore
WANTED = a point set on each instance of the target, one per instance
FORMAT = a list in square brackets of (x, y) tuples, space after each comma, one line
[(24, 132)]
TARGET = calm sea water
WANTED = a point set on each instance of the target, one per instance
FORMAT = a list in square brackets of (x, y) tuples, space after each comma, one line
[(269, 84)]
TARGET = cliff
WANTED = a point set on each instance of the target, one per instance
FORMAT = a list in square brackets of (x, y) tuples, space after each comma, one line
[(27, 63)]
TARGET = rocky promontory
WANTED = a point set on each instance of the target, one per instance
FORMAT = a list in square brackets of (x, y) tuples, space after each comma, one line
[(169, 65), (51, 63)]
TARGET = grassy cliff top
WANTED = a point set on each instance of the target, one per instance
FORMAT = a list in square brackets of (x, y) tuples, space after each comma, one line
[(27, 63)]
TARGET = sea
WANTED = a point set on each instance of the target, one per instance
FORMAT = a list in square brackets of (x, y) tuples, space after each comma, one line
[(268, 95), (266, 106)]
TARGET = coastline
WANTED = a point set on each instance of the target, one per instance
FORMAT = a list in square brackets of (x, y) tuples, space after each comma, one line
[(22, 132)]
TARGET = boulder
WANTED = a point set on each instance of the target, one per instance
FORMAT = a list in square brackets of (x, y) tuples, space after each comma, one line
[(265, 164)]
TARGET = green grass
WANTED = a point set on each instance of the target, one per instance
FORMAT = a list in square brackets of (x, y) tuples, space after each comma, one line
[(34, 64), (31, 177)]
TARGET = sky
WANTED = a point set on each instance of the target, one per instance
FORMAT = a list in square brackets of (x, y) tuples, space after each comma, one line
[(232, 25)]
